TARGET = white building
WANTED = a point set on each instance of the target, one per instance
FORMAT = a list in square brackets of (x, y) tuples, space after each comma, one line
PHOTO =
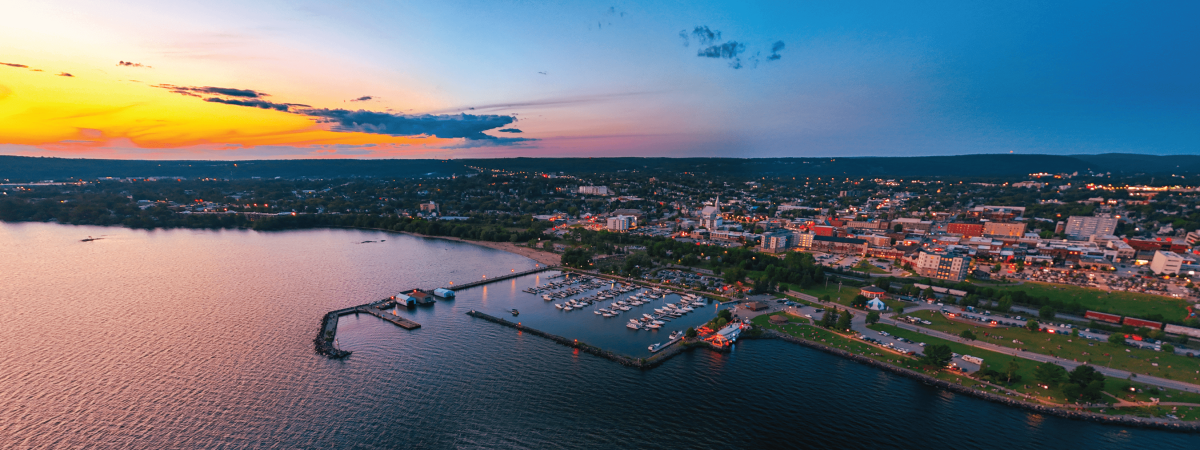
[(621, 223), (943, 266), (593, 190), (1168, 262), (710, 216), (1083, 227)]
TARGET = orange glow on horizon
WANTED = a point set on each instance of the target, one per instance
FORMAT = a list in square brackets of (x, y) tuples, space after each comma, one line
[(89, 115)]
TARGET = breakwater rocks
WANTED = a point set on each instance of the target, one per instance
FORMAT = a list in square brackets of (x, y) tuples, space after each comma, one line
[(323, 343), (640, 363), (1141, 422)]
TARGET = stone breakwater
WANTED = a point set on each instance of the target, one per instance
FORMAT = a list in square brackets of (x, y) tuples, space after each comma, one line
[(323, 343), (1142, 422), (640, 363)]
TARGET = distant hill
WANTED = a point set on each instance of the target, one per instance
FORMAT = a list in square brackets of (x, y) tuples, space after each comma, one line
[(19, 168)]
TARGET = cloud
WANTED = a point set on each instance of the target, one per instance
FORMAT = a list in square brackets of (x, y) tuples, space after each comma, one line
[(510, 130), (252, 103), (706, 36), (465, 126), (363, 98), (775, 48), (21, 66), (728, 50), (565, 101), (229, 92), (709, 40), (64, 74), (131, 64), (446, 126)]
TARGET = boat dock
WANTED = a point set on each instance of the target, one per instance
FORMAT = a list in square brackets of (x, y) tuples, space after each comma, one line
[(668, 344), (499, 278), (393, 318), (325, 342)]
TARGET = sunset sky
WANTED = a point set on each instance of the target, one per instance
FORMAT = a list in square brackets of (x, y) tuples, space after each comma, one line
[(299, 79)]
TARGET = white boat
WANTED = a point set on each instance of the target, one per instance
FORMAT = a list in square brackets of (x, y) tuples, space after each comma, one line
[(632, 326), (610, 315), (567, 308), (634, 321), (624, 308), (598, 312), (653, 326), (546, 297), (558, 305), (658, 310), (687, 309), (647, 316), (658, 322), (655, 347)]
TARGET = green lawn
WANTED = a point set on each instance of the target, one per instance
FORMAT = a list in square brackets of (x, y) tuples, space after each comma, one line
[(1116, 302), (864, 266), (996, 361), (843, 298), (1141, 361)]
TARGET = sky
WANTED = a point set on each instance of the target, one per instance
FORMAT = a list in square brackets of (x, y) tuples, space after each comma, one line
[(269, 79)]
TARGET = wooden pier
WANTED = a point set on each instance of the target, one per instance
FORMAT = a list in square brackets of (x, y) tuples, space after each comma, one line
[(499, 278)]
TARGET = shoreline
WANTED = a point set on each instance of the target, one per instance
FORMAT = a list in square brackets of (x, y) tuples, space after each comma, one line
[(1127, 420)]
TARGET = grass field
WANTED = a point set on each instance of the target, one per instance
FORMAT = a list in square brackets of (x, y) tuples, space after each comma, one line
[(1115, 302), (831, 339), (996, 361), (1171, 366)]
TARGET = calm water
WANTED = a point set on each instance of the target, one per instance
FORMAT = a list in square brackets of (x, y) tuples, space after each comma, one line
[(203, 339)]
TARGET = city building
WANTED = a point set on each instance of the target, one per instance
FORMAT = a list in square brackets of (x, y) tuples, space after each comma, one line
[(621, 223), (943, 266), (777, 241), (872, 292), (803, 240), (710, 216), (429, 207), (1168, 263), (965, 229), (593, 190), (1006, 229), (911, 224), (1083, 227), (830, 244)]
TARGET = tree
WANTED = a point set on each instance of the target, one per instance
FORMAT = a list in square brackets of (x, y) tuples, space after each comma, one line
[(1032, 325), (1010, 371), (860, 301), (691, 332), (1116, 339), (725, 314), (829, 319), (1046, 313), (936, 355), (843, 322), (1084, 375), (872, 317), (967, 334), (1168, 348), (1049, 373), (721, 322), (898, 228)]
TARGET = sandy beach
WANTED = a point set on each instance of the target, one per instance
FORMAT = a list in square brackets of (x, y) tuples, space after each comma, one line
[(543, 257)]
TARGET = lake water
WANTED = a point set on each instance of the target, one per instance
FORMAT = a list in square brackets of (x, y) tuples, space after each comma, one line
[(203, 339)]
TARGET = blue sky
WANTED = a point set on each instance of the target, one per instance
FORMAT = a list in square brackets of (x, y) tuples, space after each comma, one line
[(852, 78)]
